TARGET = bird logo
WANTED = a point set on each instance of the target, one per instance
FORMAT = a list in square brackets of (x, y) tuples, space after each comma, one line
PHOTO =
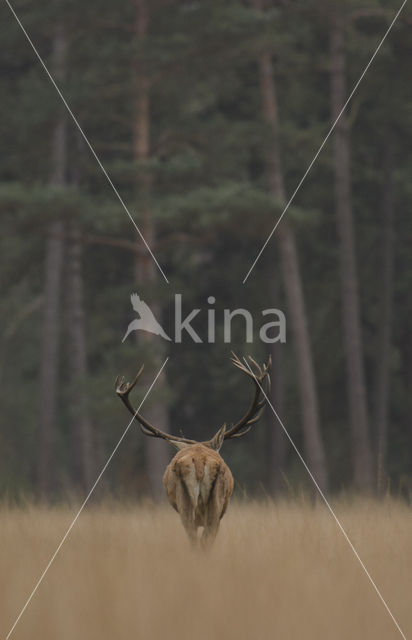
[(147, 320)]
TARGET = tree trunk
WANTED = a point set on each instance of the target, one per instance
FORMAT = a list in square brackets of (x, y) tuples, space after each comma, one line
[(52, 281), (146, 275), (276, 443), (358, 412), (81, 428), (314, 450), (385, 322)]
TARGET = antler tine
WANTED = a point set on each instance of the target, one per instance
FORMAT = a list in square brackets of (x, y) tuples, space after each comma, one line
[(241, 434), (263, 373), (147, 432), (236, 360), (122, 386), (259, 373), (255, 364), (119, 382), (268, 367), (139, 373), (250, 422), (240, 365), (257, 416)]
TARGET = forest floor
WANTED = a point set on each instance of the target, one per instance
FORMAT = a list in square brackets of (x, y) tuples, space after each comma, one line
[(276, 571)]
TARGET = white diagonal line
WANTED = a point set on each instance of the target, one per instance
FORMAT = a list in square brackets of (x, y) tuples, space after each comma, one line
[(63, 540), (86, 139), (324, 141), (326, 502)]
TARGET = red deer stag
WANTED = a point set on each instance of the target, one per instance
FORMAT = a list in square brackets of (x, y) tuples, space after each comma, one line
[(197, 481)]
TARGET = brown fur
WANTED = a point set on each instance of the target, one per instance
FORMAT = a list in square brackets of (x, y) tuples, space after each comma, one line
[(198, 485)]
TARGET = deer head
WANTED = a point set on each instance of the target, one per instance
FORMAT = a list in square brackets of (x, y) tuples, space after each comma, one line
[(197, 481)]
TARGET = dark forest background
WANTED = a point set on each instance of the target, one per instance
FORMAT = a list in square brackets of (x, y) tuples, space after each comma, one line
[(205, 115)]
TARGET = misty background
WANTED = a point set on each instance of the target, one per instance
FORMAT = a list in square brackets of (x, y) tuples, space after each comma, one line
[(206, 116)]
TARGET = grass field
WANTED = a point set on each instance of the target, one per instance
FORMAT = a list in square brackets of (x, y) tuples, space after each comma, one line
[(276, 571)]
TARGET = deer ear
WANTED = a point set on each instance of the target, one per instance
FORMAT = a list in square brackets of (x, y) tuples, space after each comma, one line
[(177, 444), (217, 440)]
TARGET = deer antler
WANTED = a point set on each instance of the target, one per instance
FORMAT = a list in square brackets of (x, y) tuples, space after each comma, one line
[(261, 379), (123, 389)]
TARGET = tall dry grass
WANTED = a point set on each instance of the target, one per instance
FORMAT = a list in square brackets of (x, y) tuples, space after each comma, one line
[(276, 571)]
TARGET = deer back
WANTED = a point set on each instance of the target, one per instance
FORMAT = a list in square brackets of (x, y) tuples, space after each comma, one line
[(198, 484)]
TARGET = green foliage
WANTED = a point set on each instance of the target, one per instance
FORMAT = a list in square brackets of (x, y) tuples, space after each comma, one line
[(211, 205)]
